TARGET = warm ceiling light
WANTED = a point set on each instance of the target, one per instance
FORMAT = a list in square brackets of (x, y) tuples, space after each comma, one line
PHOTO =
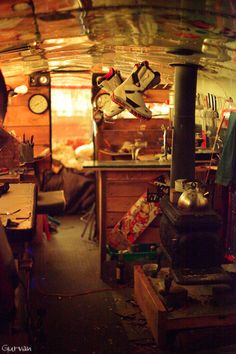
[(22, 89), (67, 41), (22, 6)]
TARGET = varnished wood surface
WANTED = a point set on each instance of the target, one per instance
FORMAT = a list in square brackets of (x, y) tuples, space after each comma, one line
[(20, 202), (126, 165), (161, 165), (199, 313), (201, 303), (153, 309), (10, 178), (22, 121)]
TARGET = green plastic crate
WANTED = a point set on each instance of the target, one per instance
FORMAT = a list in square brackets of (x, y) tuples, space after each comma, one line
[(142, 251)]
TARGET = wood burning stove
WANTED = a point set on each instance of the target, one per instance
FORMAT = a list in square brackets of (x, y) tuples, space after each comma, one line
[(190, 238), (192, 243)]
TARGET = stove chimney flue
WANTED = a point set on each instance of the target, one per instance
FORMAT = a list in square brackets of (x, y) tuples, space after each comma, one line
[(183, 142)]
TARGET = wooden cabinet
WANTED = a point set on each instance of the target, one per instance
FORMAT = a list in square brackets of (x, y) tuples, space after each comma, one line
[(117, 191), (119, 188), (123, 190)]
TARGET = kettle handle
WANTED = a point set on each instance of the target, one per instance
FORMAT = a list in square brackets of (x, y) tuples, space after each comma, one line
[(194, 185)]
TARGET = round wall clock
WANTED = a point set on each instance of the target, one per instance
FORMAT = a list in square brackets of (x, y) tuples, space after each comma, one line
[(38, 103)]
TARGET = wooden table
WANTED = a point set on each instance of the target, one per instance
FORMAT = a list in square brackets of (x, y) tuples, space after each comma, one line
[(20, 203)]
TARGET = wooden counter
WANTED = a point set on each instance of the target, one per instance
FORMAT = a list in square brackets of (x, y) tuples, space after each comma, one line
[(119, 185), (126, 165)]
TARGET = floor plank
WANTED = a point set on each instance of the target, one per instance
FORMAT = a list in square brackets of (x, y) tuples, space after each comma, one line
[(77, 312)]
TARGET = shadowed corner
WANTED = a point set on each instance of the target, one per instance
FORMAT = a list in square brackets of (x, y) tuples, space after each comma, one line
[(3, 99)]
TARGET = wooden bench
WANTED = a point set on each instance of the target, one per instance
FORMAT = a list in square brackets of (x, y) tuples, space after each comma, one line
[(200, 313)]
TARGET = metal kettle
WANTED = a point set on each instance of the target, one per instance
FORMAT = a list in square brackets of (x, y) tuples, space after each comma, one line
[(192, 198)]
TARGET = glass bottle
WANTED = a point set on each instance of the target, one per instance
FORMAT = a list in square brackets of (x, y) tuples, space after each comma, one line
[(120, 268)]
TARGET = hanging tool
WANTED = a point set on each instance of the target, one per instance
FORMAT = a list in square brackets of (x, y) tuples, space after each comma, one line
[(32, 140), (215, 105), (199, 105), (208, 100), (212, 103), (209, 114), (214, 145)]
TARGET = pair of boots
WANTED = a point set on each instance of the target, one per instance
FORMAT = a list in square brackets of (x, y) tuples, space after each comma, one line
[(127, 94)]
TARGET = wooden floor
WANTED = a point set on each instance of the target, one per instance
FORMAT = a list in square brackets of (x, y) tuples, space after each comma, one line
[(72, 311), (76, 311)]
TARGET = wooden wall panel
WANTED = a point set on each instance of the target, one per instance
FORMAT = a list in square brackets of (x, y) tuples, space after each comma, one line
[(21, 120), (135, 124), (116, 138), (112, 136), (160, 96), (124, 189), (139, 176), (114, 217), (40, 133), (120, 204), (20, 116), (150, 235)]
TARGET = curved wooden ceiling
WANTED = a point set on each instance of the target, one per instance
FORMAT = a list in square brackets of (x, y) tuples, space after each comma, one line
[(76, 35)]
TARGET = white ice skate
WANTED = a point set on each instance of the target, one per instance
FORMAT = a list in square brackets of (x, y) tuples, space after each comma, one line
[(108, 83), (129, 94)]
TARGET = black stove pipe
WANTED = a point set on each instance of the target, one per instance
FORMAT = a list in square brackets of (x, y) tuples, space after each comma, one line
[(183, 142)]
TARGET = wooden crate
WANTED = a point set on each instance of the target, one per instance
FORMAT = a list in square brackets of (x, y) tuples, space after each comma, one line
[(195, 315)]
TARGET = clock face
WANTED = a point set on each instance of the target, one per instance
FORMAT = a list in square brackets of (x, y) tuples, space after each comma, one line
[(38, 103)]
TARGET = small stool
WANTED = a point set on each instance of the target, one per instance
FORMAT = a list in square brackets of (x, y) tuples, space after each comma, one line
[(52, 203)]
